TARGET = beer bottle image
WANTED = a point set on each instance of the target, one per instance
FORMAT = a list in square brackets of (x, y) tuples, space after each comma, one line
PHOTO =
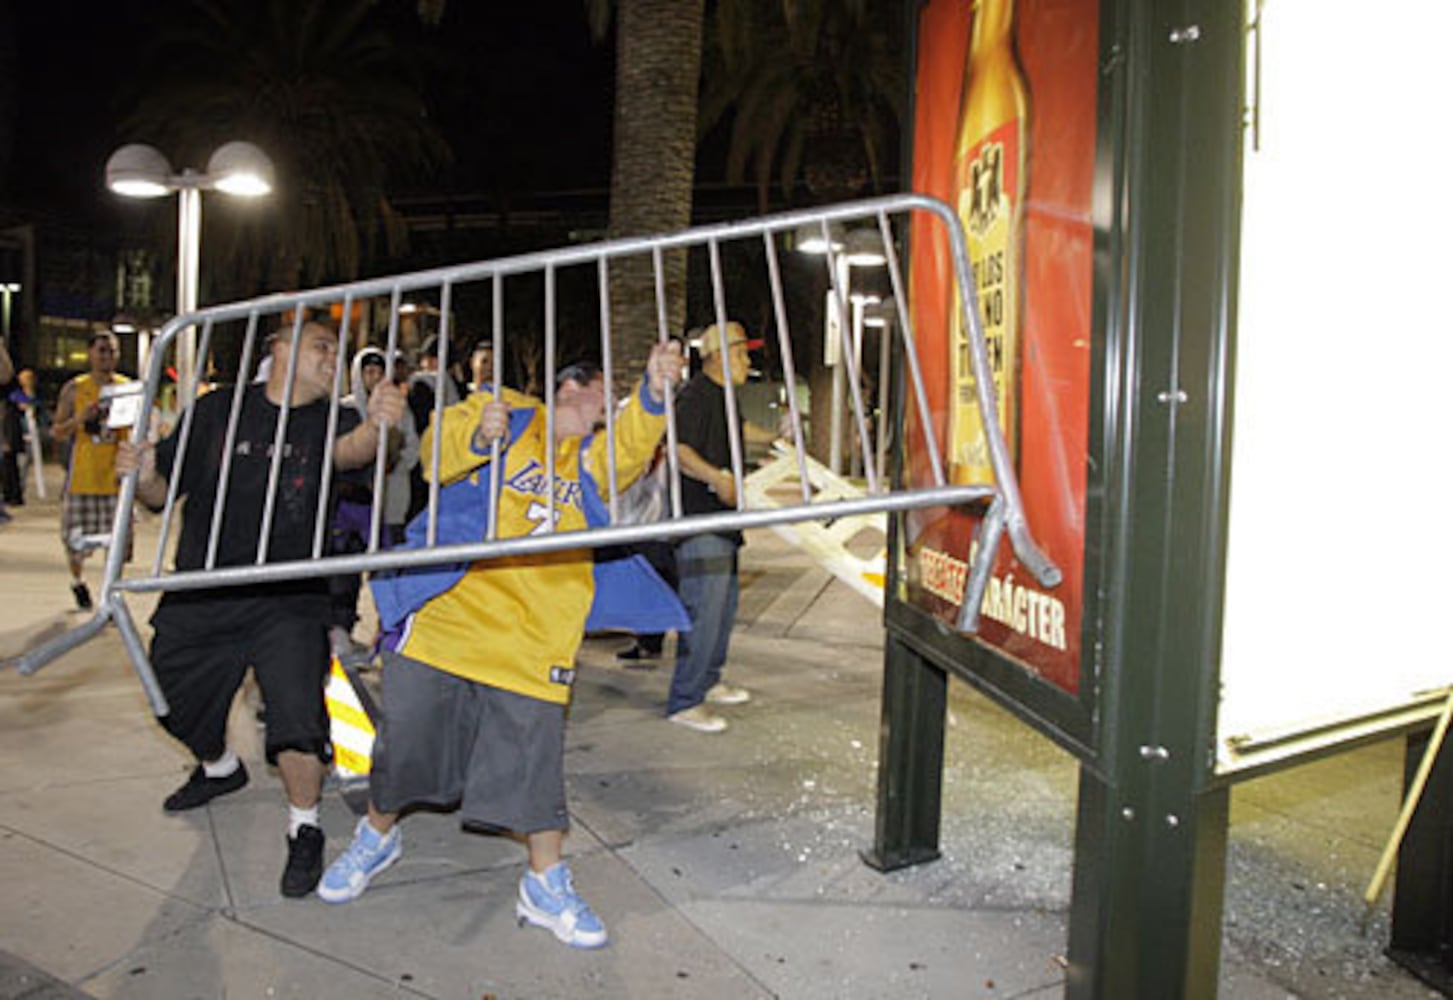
[(989, 183)]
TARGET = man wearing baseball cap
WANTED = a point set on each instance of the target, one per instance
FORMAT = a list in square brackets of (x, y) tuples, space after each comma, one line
[(707, 564)]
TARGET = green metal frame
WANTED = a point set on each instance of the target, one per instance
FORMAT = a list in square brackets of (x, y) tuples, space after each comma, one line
[(1422, 910), (1150, 837), (1151, 833)]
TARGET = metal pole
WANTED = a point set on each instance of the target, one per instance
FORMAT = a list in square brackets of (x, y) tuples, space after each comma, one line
[(858, 457), (885, 365), (6, 290), (839, 385), (189, 240)]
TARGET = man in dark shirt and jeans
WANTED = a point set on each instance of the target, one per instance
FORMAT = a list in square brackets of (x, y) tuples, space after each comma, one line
[(205, 640), (706, 565)]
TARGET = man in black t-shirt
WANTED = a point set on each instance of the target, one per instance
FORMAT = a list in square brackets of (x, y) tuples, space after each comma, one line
[(706, 565), (205, 640)]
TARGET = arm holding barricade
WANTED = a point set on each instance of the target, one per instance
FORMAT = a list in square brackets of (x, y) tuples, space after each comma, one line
[(640, 423), (359, 446), (493, 423), (471, 428), (140, 457)]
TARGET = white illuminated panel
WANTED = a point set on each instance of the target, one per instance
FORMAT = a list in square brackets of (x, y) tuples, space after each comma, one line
[(1338, 593)]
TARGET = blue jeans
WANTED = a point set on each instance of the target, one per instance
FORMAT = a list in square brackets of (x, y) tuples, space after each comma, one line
[(706, 566)]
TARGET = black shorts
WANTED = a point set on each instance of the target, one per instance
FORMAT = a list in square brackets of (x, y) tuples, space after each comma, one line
[(202, 647), (447, 741)]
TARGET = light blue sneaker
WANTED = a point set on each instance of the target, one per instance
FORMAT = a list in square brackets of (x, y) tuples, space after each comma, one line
[(369, 854), (550, 901)]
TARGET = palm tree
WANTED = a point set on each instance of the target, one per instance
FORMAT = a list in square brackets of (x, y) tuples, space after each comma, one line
[(9, 90), (326, 90), (653, 163)]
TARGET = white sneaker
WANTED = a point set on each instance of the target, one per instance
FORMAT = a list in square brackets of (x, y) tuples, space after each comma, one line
[(549, 900), (370, 853), (723, 693), (698, 718)]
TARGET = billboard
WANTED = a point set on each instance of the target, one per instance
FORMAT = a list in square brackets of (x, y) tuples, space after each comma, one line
[(1338, 532), (1004, 131)]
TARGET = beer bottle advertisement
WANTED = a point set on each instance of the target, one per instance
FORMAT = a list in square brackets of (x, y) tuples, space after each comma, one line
[(1005, 120), (989, 175)]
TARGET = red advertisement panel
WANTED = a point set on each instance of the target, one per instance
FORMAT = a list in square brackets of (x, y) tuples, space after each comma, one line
[(1004, 131)]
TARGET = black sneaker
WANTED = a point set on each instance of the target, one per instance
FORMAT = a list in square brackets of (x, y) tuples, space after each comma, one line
[(305, 862), (200, 789), (637, 653), (82, 595)]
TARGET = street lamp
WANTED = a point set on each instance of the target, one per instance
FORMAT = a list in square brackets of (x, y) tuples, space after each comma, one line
[(862, 247), (7, 289), (137, 170)]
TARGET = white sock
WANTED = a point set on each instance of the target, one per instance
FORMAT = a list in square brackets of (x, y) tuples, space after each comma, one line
[(223, 766), (298, 817)]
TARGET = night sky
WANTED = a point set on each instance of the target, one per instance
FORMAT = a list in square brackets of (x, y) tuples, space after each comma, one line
[(522, 94)]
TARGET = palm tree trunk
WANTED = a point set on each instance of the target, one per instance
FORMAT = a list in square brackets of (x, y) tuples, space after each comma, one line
[(658, 63)]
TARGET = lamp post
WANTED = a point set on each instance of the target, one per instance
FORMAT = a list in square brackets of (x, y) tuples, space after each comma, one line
[(137, 170), (880, 315), (860, 303), (857, 248), (7, 289)]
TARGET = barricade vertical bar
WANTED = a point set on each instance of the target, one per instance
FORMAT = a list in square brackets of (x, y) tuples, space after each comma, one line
[(885, 360), (274, 472), (320, 519), (229, 441), (991, 530), (446, 321), (380, 458), (1008, 485), (441, 372), (180, 459), (126, 497), (497, 308), (789, 371), (910, 352), (204, 349), (855, 388), (734, 429), (550, 398), (183, 433), (136, 652), (988, 395), (663, 334), (603, 271)]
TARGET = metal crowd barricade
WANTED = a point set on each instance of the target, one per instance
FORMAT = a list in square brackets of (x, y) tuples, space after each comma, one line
[(1004, 512)]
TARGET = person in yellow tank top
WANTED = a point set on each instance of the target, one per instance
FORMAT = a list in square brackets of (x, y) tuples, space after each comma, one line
[(478, 661), (88, 499)]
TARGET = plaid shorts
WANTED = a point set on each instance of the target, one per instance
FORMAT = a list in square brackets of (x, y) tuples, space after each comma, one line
[(84, 514)]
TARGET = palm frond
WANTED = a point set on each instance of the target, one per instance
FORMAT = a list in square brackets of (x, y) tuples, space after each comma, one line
[(328, 93)]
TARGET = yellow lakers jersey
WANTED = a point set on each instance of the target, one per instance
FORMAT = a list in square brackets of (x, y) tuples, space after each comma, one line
[(516, 623)]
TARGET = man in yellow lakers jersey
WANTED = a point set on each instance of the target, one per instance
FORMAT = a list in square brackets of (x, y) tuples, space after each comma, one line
[(88, 499), (478, 660)]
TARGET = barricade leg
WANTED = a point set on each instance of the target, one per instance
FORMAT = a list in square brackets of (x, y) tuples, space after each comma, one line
[(62, 644), (136, 652)]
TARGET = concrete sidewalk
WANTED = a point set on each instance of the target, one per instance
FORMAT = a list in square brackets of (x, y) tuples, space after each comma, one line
[(724, 866)]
